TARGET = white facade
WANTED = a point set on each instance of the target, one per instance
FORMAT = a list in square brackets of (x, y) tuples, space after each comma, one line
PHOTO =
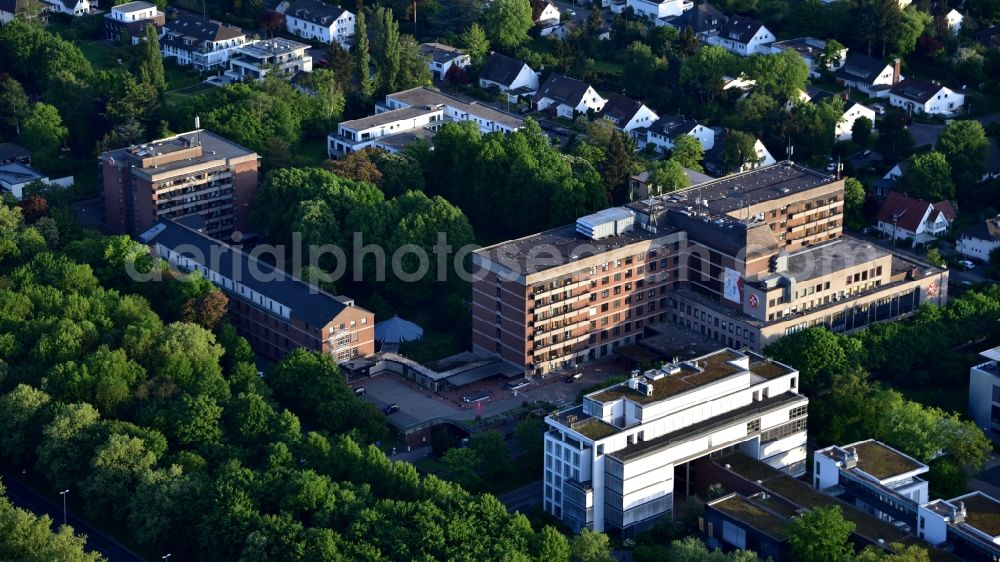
[(758, 44), (441, 58), (338, 30), (489, 120), (945, 102), (652, 10), (954, 20), (609, 464), (590, 100), (842, 132), (984, 393), (367, 132), (256, 59), (80, 8), (549, 13), (526, 78), (126, 14), (203, 56), (979, 243), (926, 231), (705, 136), (642, 118)]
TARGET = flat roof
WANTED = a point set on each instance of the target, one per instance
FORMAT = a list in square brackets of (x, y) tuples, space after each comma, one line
[(387, 117), (559, 246), (882, 461), (426, 96), (273, 46), (802, 494), (213, 148), (752, 410), (830, 257), (736, 191), (401, 140), (981, 512), (711, 367), (132, 7), (745, 510)]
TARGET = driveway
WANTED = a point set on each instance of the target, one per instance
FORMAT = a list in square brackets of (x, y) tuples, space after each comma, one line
[(925, 134), (582, 13)]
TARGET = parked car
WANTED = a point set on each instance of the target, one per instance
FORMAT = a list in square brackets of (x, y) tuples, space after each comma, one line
[(360, 391), (879, 109), (831, 167), (518, 384), (572, 13), (967, 264), (573, 377), (868, 230), (391, 409), (865, 154)]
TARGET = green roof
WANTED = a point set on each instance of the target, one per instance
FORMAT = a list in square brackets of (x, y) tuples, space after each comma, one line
[(743, 509), (881, 461)]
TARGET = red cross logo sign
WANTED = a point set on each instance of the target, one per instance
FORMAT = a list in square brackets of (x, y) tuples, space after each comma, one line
[(932, 289), (754, 301)]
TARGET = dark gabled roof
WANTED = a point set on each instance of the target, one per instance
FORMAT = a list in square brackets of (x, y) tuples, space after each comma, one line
[(817, 96), (988, 230), (907, 212), (563, 89), (188, 31), (306, 301), (703, 18), (10, 152), (621, 108), (439, 52), (672, 126), (315, 11), (740, 29), (920, 91), (861, 68), (501, 69)]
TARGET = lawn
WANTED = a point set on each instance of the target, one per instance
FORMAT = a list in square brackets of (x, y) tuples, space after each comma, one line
[(311, 152), (608, 67), (100, 54), (178, 76)]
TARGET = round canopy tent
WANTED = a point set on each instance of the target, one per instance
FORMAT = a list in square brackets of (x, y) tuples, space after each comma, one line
[(397, 330)]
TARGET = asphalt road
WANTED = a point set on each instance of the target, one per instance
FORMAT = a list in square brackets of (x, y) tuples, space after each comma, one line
[(582, 13), (26, 498), (524, 498)]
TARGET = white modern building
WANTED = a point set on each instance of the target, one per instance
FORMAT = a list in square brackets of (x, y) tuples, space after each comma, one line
[(15, 176), (128, 21), (978, 241), (490, 120), (612, 463), (968, 524), (654, 10), (743, 36), (256, 59), (198, 42), (874, 477), (70, 7), (314, 19), (984, 393), (954, 19)]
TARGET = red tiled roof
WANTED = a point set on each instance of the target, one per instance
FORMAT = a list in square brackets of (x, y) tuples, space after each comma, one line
[(907, 212)]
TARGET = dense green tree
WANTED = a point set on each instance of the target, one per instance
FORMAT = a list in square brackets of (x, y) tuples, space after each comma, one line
[(780, 75), (820, 535), (739, 150), (551, 545), (387, 49), (23, 412), (928, 177), (413, 69), (195, 420), (688, 152), (456, 16), (817, 353), (14, 105), (476, 44), (832, 53), (366, 84), (43, 132), (894, 141), (329, 94), (188, 355), (27, 537), (105, 379), (618, 167), (117, 468), (642, 67), (150, 61), (965, 147), (703, 71), (809, 127), (590, 546), (854, 201), (861, 132), (507, 23), (401, 172), (666, 176), (463, 465), (206, 310), (911, 27)]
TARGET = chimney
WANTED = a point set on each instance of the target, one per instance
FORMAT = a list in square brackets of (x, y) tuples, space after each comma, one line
[(895, 71)]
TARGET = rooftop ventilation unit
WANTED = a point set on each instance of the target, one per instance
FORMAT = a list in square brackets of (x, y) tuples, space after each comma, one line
[(671, 369), (603, 224), (654, 374), (644, 388)]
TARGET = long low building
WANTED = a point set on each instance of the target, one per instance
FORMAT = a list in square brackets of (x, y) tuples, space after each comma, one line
[(621, 460), (743, 260), (274, 310), (415, 114)]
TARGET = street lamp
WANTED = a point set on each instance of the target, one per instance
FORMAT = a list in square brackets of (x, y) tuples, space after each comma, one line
[(63, 494), (165, 556)]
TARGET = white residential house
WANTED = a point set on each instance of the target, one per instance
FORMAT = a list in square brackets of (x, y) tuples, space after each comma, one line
[(542, 13), (978, 241), (23, 9), (868, 75), (567, 96), (714, 163), (664, 132), (384, 130), (743, 36), (811, 50), (511, 76), (954, 19), (490, 120), (629, 116), (924, 96), (70, 7), (908, 218), (256, 59), (852, 112), (128, 21), (441, 58), (703, 19), (657, 11), (15, 176), (314, 19), (613, 463), (203, 44)]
